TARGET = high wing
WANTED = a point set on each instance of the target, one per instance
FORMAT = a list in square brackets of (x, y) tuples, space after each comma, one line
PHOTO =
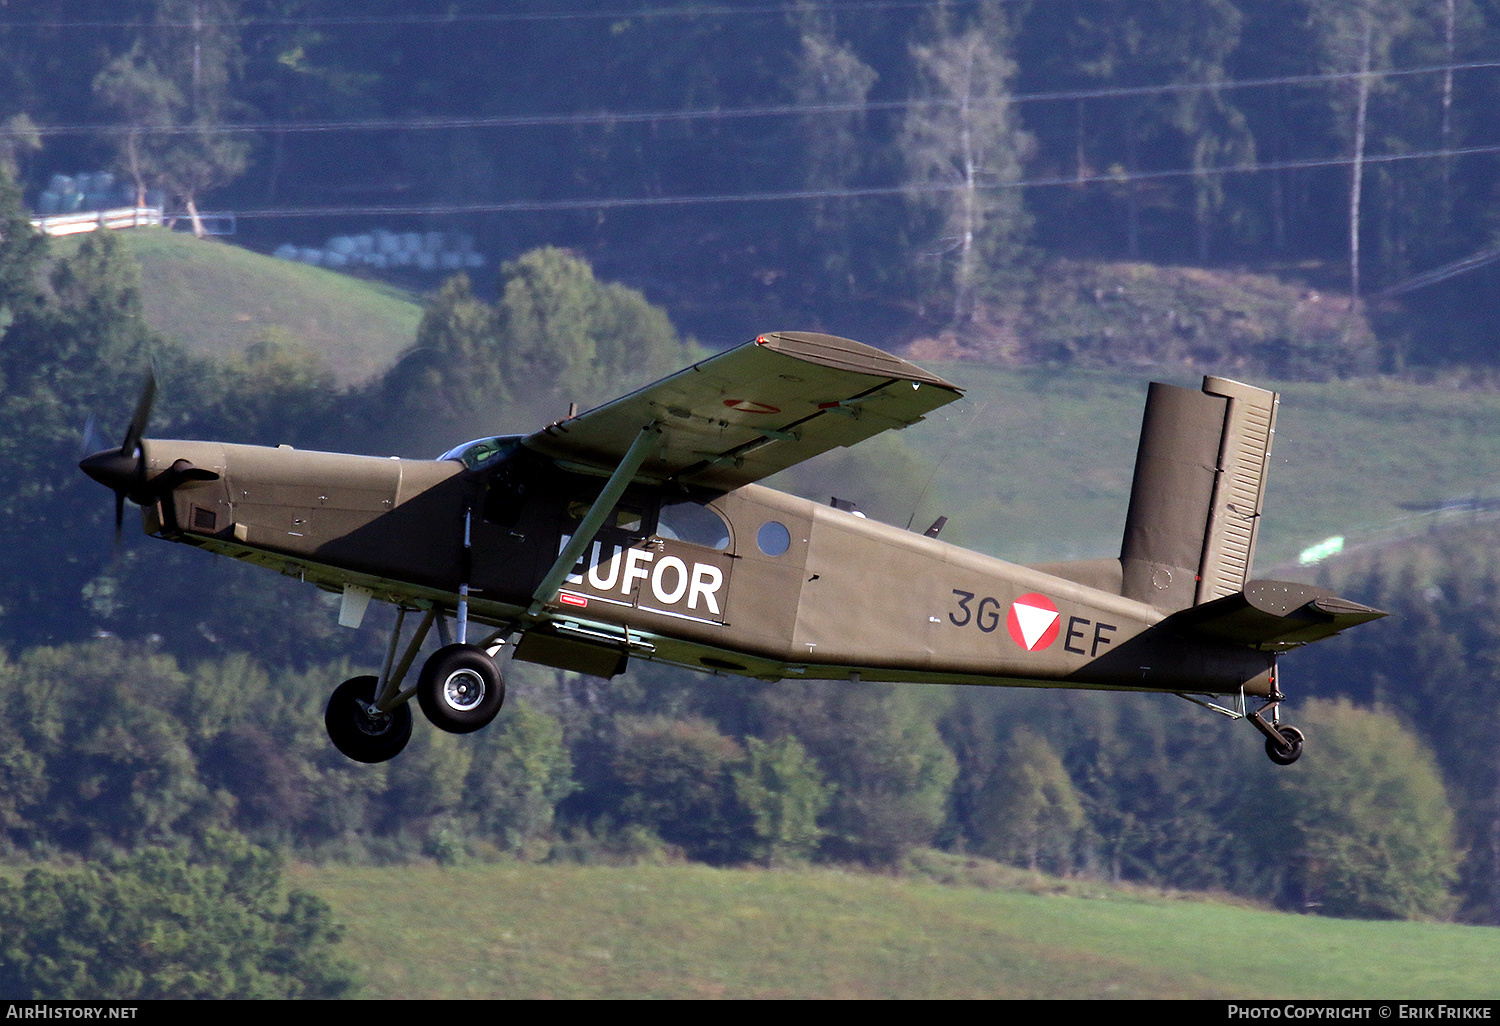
[(752, 411)]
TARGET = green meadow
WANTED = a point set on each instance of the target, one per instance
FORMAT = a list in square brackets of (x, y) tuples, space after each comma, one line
[(215, 299), (689, 931)]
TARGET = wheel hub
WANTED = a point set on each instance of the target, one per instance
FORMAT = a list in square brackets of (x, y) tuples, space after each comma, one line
[(463, 690), (370, 720)]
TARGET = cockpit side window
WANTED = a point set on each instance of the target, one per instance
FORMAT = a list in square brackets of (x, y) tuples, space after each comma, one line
[(693, 522), (483, 451)]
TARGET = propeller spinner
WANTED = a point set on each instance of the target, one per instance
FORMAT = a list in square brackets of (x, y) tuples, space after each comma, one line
[(123, 470)]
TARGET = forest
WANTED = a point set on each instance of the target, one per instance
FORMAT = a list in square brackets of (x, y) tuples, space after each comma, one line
[(1030, 183), (893, 168)]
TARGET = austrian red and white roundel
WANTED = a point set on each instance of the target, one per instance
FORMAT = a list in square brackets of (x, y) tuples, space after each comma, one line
[(751, 406), (1033, 622)]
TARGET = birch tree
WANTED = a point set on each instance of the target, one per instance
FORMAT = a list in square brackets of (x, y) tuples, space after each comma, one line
[(1356, 38), (963, 151), (173, 87)]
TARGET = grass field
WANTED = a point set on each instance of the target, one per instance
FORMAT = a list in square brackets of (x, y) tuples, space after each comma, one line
[(530, 931), (216, 298)]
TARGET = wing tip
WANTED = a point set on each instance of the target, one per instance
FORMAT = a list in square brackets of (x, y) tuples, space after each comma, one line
[(847, 354)]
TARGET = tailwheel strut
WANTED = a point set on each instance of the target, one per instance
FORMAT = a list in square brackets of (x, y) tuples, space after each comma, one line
[(1283, 742)]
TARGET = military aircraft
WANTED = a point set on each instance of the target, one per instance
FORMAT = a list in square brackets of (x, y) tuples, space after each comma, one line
[(637, 530)]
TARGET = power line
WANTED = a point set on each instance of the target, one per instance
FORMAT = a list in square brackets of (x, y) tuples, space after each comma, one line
[(720, 113), (498, 17), (790, 195)]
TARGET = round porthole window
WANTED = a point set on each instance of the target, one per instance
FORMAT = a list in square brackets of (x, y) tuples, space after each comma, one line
[(773, 538)]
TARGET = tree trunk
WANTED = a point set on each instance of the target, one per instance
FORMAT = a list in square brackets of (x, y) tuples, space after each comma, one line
[(1361, 109), (192, 209)]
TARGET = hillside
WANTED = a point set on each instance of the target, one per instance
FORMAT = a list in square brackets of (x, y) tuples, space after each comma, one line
[(215, 299), (530, 931), (1036, 465), (1111, 314)]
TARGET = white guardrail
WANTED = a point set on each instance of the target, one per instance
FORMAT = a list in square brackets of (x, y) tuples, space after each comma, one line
[(88, 220)]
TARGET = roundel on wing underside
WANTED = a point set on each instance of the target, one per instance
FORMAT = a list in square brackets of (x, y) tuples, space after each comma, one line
[(750, 406), (1033, 621)]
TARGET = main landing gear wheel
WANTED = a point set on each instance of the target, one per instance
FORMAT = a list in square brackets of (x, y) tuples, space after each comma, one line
[(460, 689), (1288, 753), (360, 733)]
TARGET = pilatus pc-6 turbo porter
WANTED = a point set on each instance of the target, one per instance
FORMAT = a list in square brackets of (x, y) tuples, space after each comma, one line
[(637, 530)]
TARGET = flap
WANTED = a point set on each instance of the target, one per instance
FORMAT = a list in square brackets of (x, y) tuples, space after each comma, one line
[(752, 411)]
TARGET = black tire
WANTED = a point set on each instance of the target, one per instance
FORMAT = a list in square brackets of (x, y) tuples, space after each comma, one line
[(1285, 755), (360, 736), (460, 689)]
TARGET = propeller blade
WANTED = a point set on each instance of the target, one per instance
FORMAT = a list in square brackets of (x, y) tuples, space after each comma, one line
[(123, 471), (142, 415), (91, 441)]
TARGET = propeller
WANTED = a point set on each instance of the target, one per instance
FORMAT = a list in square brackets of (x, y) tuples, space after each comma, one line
[(123, 470)]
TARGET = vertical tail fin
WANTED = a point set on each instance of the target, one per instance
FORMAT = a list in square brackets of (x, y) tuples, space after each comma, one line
[(1199, 484)]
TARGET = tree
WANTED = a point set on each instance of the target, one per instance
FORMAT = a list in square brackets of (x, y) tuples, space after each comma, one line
[(556, 335), (963, 151), (521, 770), (169, 924), (1029, 813), (827, 73), (173, 89), (120, 769), (1435, 663), (22, 251), (673, 777), (1357, 39), (132, 87), (783, 789), (1373, 826), (83, 347), (880, 751), (566, 337)]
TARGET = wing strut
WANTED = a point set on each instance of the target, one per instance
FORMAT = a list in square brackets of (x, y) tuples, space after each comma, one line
[(584, 536)]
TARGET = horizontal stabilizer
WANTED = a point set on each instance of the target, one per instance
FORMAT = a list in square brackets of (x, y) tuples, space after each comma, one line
[(1273, 616)]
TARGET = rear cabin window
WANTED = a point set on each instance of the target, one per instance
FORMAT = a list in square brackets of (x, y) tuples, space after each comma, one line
[(694, 523)]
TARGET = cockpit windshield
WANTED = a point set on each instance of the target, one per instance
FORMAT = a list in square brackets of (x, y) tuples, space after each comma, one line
[(482, 451)]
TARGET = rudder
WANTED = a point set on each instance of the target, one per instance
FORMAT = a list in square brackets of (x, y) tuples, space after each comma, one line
[(1196, 499), (1240, 491)]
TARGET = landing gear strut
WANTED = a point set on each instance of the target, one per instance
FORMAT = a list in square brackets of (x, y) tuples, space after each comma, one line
[(1283, 742), (460, 690)]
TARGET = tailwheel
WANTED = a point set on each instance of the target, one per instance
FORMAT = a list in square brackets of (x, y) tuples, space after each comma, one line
[(358, 730), (1290, 748), (461, 689)]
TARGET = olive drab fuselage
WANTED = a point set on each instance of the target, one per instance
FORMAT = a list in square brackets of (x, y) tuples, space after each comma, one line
[(789, 588)]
